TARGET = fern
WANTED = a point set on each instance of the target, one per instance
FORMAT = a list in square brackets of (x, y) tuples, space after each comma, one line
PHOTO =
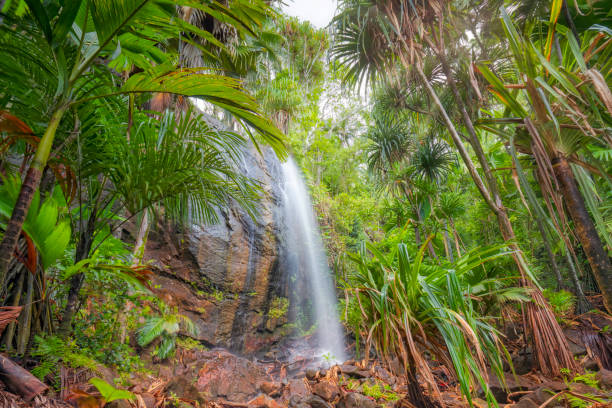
[(51, 351)]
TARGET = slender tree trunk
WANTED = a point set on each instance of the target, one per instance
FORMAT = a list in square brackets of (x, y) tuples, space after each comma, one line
[(76, 281), (456, 236), (585, 229), (448, 246), (570, 21), (137, 255), (10, 330), (25, 319), (141, 238), (26, 194)]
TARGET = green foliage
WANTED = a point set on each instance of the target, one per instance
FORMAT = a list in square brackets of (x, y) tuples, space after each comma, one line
[(51, 351), (45, 223), (405, 300), (587, 378), (378, 391), (278, 307), (109, 392), (562, 302), (189, 343), (165, 328)]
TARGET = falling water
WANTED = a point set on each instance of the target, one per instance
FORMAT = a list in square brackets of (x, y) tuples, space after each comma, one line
[(305, 248)]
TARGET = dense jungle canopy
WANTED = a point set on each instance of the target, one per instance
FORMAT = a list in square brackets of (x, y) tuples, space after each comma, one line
[(457, 155)]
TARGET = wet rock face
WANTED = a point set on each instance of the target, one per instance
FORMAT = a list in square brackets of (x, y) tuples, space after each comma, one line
[(227, 279), (239, 258)]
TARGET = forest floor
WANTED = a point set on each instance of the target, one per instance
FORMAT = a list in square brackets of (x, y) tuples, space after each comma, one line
[(217, 378)]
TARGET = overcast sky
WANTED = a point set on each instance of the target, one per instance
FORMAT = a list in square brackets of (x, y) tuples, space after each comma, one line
[(318, 12)]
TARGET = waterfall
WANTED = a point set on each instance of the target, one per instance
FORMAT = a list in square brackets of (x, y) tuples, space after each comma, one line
[(307, 259)]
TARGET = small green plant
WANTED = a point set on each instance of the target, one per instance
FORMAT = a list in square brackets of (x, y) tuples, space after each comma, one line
[(349, 383), (189, 343), (109, 392), (218, 295), (588, 378), (562, 302), (378, 391), (329, 358), (576, 402), (278, 307), (51, 351), (166, 327)]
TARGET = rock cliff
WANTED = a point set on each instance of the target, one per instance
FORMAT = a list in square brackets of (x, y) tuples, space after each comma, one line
[(227, 277)]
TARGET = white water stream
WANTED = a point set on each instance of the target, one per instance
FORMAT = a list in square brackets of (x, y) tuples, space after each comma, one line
[(303, 242)]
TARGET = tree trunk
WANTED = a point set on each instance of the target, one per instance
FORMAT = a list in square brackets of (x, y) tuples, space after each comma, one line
[(448, 246), (19, 380), (25, 319), (456, 236), (585, 229), (10, 331), (26, 194), (82, 252)]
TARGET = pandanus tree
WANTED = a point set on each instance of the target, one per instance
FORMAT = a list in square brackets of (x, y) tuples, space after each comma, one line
[(57, 56), (372, 37), (561, 108), (408, 306)]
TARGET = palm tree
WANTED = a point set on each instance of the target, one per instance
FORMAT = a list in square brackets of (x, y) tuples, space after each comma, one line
[(427, 305), (408, 34), (52, 61), (390, 143)]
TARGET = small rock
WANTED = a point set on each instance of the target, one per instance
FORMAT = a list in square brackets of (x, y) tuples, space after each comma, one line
[(270, 387), (183, 387), (348, 369), (523, 364), (385, 375), (500, 393), (591, 365), (525, 402), (541, 395), (263, 401), (311, 374), (356, 400), (554, 386), (605, 378), (119, 404), (354, 371), (295, 400), (581, 388), (480, 403), (326, 390), (297, 387), (317, 402), (149, 400)]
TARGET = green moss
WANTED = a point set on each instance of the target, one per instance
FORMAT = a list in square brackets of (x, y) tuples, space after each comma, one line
[(188, 343), (278, 307)]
